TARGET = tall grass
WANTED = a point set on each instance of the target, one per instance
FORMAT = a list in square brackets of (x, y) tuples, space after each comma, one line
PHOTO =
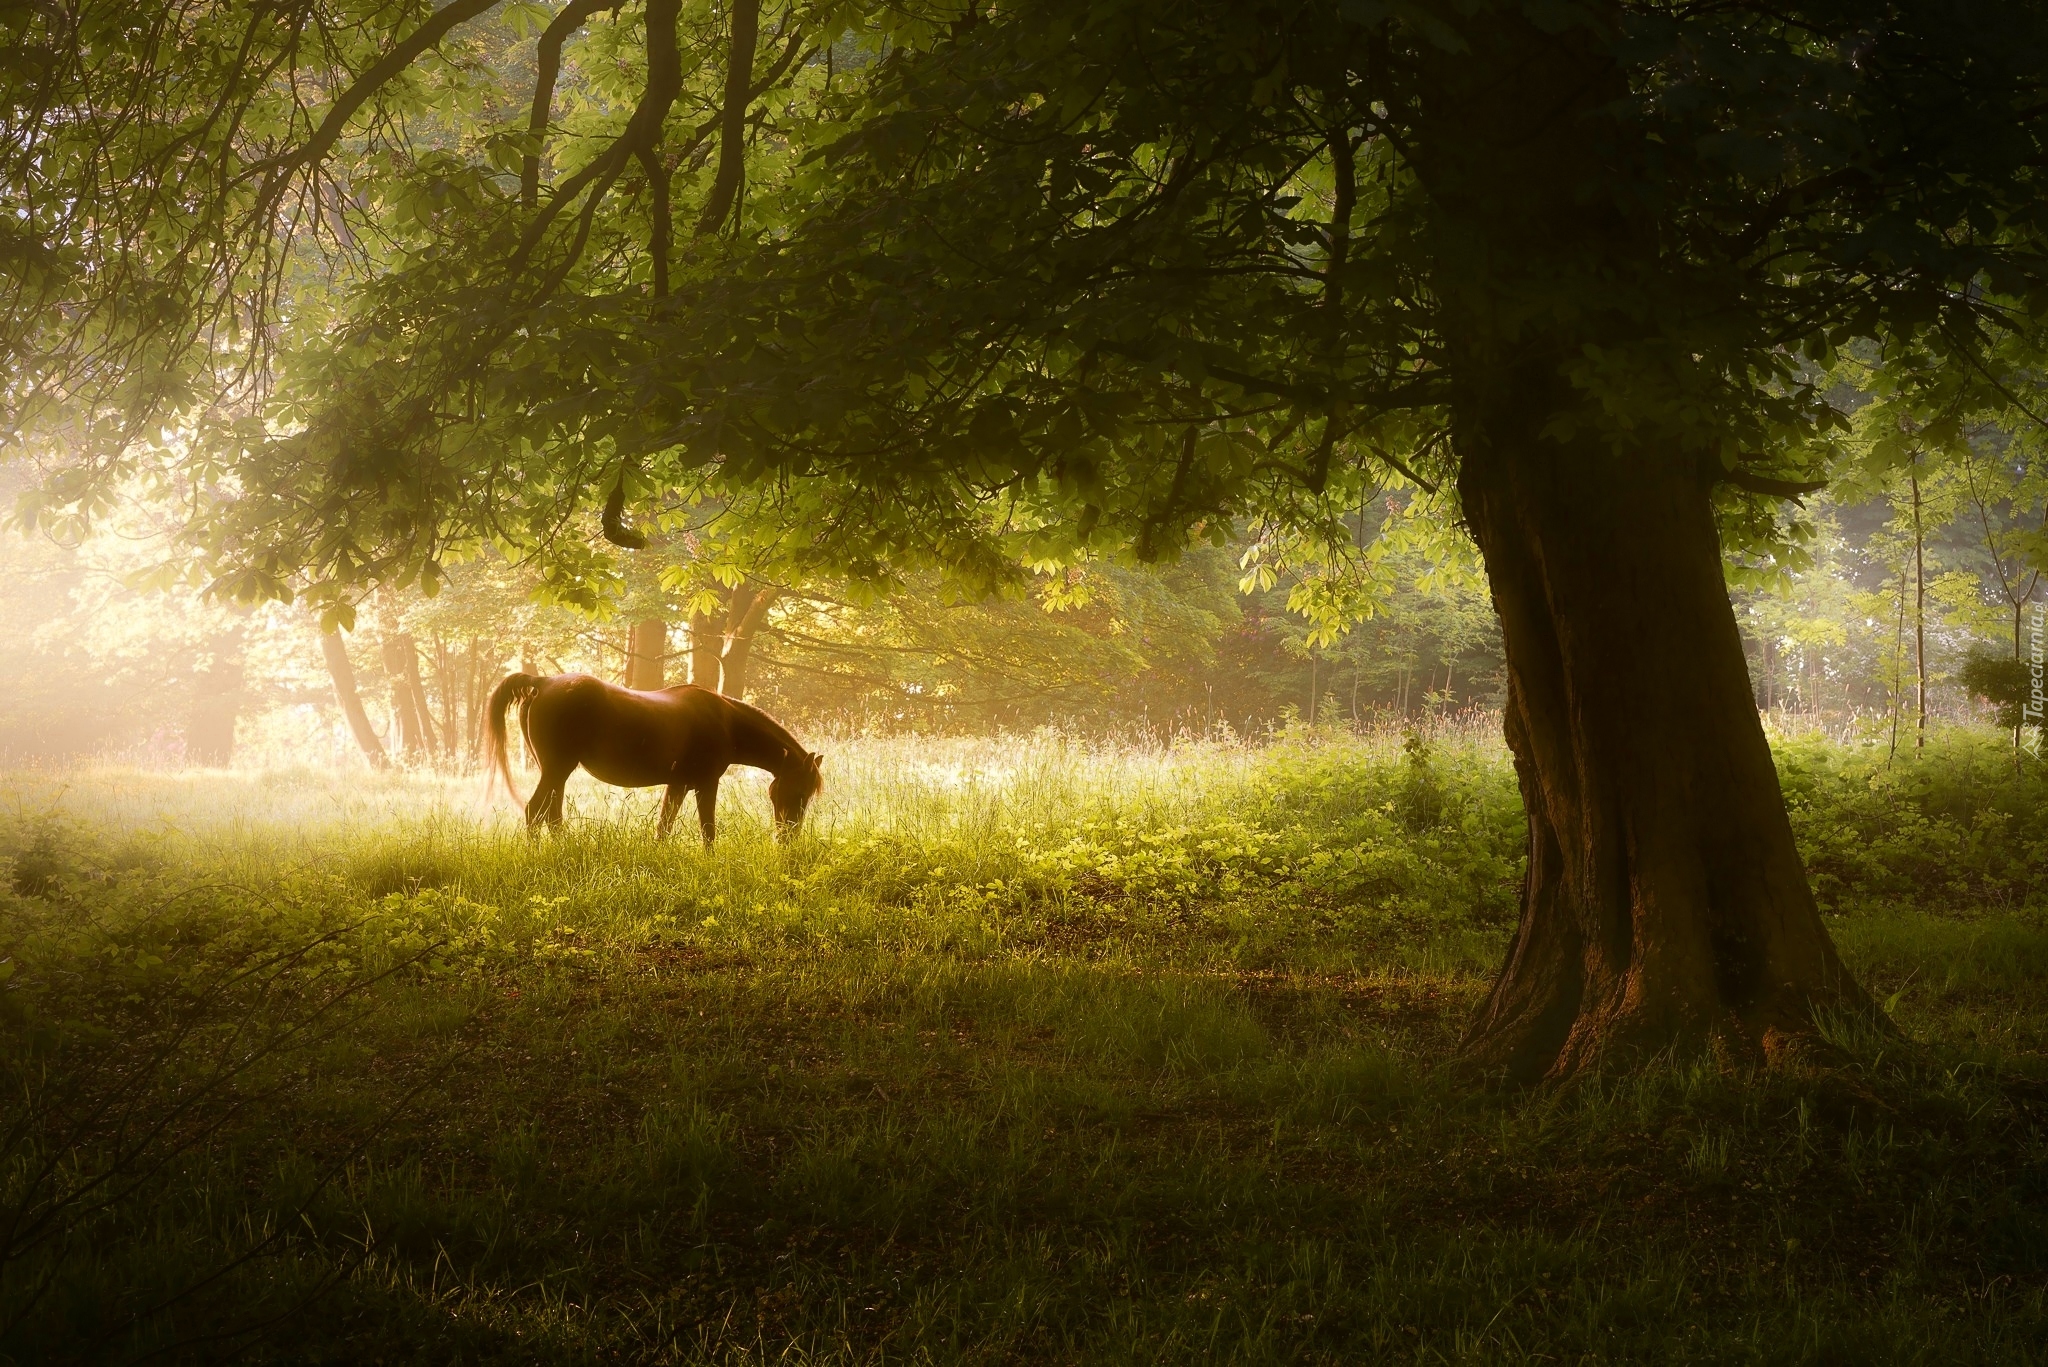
[(1028, 1049)]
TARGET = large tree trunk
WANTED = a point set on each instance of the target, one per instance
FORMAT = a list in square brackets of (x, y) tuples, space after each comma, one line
[(344, 675), (1665, 902)]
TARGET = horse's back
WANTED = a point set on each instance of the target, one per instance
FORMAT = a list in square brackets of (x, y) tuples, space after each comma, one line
[(629, 737)]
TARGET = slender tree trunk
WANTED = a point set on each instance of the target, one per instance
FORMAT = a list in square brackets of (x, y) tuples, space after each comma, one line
[(408, 697), (647, 654), (707, 645), (344, 675), (2019, 607), (1919, 611), (405, 718), (486, 658), (444, 684), (1898, 668), (216, 704), (749, 610)]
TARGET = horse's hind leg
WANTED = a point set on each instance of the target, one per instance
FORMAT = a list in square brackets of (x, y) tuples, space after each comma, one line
[(670, 800), (537, 806), (707, 811), (546, 803)]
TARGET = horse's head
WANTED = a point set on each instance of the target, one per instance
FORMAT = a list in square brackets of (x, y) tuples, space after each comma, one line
[(793, 788)]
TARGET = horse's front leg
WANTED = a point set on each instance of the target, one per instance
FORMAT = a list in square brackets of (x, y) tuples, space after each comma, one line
[(670, 800), (707, 811)]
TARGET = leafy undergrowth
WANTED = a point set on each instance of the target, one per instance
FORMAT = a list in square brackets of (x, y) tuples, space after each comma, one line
[(1026, 1054)]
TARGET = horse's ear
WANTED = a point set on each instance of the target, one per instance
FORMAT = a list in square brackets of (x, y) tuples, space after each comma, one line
[(817, 760)]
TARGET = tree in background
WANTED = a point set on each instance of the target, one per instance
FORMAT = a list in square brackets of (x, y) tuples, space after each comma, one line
[(349, 697)]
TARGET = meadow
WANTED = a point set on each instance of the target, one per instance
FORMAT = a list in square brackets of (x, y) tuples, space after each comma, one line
[(1026, 1050)]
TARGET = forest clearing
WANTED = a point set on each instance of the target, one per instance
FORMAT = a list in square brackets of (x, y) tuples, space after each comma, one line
[(1379, 670), (1024, 1051)]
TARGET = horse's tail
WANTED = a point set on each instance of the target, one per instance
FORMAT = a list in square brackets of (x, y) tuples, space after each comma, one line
[(515, 688)]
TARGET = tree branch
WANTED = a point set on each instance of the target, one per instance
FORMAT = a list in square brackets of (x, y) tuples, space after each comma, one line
[(1344, 170), (380, 74), (658, 235), (1794, 489), (1147, 550), (548, 66), (642, 133), (1402, 467), (739, 83)]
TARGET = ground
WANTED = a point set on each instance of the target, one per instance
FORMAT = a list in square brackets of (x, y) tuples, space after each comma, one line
[(1025, 1051)]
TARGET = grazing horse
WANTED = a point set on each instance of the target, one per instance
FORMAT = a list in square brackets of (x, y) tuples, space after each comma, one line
[(684, 737)]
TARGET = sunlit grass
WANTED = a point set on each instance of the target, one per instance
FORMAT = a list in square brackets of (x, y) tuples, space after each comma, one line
[(1028, 1049)]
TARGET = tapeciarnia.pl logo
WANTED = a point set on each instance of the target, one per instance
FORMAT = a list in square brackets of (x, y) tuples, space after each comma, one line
[(2031, 714)]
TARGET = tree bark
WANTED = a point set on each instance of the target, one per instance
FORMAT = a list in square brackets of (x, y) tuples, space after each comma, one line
[(344, 675), (647, 654)]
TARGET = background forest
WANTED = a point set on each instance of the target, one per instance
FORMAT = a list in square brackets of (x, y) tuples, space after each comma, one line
[(1846, 634)]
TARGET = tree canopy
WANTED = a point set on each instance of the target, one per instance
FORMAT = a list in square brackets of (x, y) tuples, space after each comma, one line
[(1015, 283)]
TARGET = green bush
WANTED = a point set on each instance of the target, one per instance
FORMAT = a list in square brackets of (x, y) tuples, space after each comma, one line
[(1952, 829)]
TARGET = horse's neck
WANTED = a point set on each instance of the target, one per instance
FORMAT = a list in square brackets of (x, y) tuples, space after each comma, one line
[(762, 744)]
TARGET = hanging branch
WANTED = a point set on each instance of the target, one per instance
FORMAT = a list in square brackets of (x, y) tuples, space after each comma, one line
[(613, 521), (1147, 548), (1794, 489)]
